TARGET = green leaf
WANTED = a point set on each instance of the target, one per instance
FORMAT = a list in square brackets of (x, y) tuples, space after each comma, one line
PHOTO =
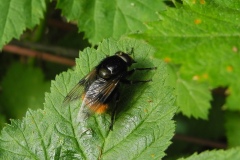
[(233, 93), (193, 98), (104, 19), (233, 154), (201, 36), (143, 122), (232, 129), (23, 87), (16, 16)]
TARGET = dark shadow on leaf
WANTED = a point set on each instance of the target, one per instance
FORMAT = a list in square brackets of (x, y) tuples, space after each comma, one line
[(127, 91)]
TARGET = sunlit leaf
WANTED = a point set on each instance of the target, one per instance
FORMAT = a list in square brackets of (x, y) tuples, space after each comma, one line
[(203, 38), (104, 19)]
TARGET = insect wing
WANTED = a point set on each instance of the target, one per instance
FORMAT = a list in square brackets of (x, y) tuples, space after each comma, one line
[(82, 85), (97, 94)]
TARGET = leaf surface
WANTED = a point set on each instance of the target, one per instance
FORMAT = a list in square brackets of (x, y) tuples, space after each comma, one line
[(104, 19), (233, 154), (143, 121), (16, 16), (203, 38)]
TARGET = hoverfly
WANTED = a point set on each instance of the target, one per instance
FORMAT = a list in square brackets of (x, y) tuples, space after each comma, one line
[(99, 89)]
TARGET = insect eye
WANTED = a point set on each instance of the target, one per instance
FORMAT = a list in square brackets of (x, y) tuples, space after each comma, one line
[(104, 73)]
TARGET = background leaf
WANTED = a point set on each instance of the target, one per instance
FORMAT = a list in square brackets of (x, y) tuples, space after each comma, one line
[(193, 98), (23, 87), (201, 36), (16, 16), (218, 155), (144, 121), (104, 19)]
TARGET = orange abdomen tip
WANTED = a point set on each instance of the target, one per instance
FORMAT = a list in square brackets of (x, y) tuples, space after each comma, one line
[(102, 108)]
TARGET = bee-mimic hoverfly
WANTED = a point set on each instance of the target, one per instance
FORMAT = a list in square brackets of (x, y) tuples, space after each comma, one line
[(99, 89)]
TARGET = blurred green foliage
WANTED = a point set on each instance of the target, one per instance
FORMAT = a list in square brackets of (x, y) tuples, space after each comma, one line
[(23, 87)]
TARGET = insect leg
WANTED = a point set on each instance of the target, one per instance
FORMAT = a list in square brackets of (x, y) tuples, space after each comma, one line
[(114, 111), (126, 81), (140, 69)]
